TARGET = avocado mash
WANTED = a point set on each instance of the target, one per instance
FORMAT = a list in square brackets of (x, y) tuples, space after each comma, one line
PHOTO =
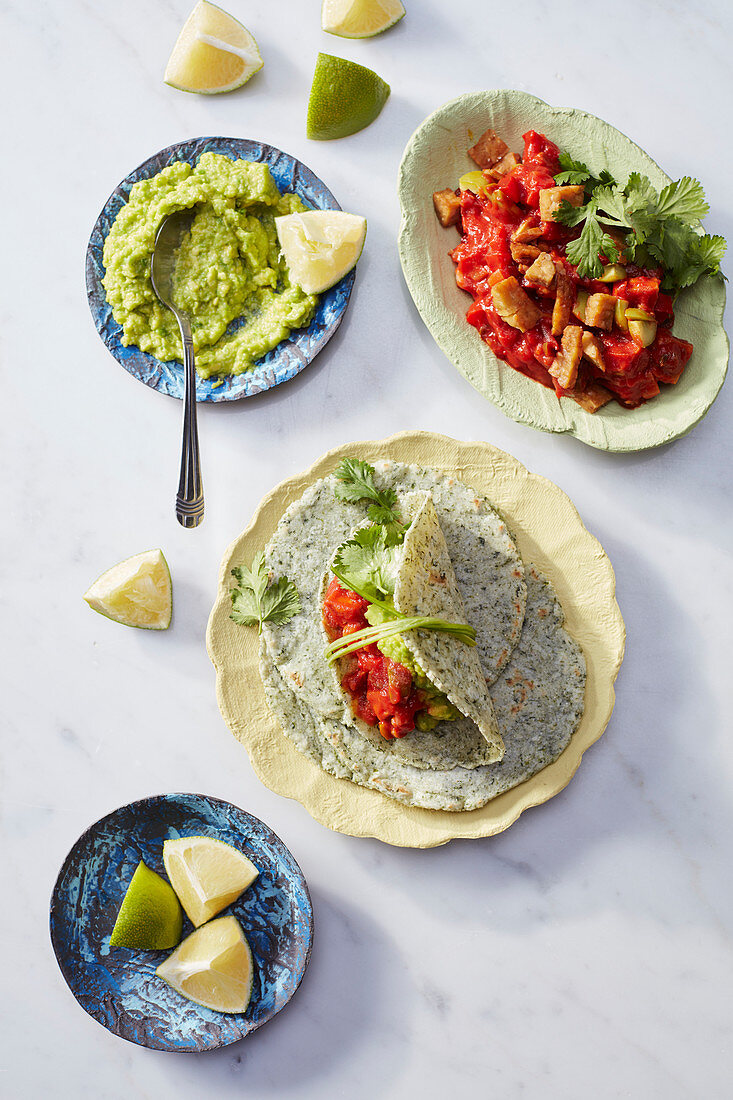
[(230, 277)]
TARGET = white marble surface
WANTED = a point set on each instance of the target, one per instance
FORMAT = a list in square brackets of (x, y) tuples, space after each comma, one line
[(584, 953)]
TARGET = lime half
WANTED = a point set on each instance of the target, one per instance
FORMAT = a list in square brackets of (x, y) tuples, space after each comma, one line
[(360, 18), (213, 967), (345, 97), (150, 917), (137, 592), (206, 874), (213, 53), (320, 246)]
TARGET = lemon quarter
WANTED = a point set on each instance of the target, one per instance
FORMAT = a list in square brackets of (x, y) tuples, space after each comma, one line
[(345, 97), (320, 246), (213, 967), (137, 592), (150, 916), (213, 53), (360, 18), (206, 874)]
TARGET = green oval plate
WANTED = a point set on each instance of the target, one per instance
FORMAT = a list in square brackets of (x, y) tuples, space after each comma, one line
[(434, 158)]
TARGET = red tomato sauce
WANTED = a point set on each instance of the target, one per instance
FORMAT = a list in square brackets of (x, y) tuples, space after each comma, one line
[(382, 691), (632, 372)]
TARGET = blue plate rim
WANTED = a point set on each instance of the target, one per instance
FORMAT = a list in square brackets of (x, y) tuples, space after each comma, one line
[(55, 912), (156, 375)]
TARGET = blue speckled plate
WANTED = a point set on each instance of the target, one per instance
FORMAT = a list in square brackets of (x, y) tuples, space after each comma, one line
[(117, 986), (290, 356)]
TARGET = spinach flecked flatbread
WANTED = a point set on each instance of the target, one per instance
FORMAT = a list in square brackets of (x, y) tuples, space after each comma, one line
[(534, 670)]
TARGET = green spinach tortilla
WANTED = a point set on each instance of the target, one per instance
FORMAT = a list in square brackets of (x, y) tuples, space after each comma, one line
[(535, 670), (229, 266)]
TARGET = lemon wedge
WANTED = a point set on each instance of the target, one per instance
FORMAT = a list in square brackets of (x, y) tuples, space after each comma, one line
[(213, 53), (137, 592), (206, 874), (360, 18), (320, 246), (213, 967), (150, 916)]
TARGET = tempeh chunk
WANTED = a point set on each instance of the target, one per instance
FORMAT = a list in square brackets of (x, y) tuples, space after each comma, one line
[(600, 310), (567, 360), (447, 206), (593, 397), (593, 350), (563, 307), (526, 231), (552, 198), (507, 162), (488, 150), (514, 305), (542, 271)]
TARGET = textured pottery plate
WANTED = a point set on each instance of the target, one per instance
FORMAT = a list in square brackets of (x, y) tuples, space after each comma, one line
[(435, 158), (284, 361), (548, 532), (118, 987)]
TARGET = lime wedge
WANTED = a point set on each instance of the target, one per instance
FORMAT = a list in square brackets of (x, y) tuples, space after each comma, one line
[(213, 53), (150, 916), (320, 246), (137, 592), (213, 967), (206, 874), (345, 97), (360, 18)]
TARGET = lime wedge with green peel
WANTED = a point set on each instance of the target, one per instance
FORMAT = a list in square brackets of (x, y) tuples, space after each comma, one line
[(150, 917), (213, 53), (345, 97), (320, 246), (137, 592), (360, 18), (213, 967), (206, 874)]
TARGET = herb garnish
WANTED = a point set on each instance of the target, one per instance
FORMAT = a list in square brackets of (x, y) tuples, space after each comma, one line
[(256, 601), (659, 227), (356, 482), (368, 563)]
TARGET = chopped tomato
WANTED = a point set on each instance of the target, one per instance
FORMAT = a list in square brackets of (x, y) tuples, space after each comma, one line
[(641, 291), (382, 691), (669, 356)]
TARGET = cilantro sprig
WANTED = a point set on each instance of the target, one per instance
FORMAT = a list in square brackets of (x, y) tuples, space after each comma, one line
[(657, 227), (356, 482), (256, 601)]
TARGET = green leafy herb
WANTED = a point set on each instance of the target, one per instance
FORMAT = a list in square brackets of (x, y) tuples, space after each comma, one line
[(661, 228), (356, 479), (256, 601), (367, 563)]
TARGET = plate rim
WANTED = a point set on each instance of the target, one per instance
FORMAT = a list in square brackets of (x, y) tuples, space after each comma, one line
[(666, 431), (55, 911), (93, 285)]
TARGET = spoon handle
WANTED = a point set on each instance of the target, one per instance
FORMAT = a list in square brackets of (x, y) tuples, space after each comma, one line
[(190, 496)]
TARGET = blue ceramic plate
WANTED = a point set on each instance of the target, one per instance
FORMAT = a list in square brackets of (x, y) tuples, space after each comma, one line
[(284, 361), (118, 986)]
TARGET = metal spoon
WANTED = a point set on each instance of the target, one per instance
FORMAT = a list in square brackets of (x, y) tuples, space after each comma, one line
[(190, 495)]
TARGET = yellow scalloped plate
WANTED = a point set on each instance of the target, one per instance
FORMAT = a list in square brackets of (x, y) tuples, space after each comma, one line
[(435, 158), (549, 533)]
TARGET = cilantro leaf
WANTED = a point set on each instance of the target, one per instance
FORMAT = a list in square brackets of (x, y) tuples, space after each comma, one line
[(585, 251), (356, 482), (574, 171), (684, 199), (367, 563), (255, 601), (573, 215)]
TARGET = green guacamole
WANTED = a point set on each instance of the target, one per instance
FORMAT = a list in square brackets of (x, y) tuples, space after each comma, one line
[(229, 265), (438, 707)]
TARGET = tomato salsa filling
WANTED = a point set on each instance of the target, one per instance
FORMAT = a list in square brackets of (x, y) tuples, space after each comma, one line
[(591, 339), (383, 692)]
